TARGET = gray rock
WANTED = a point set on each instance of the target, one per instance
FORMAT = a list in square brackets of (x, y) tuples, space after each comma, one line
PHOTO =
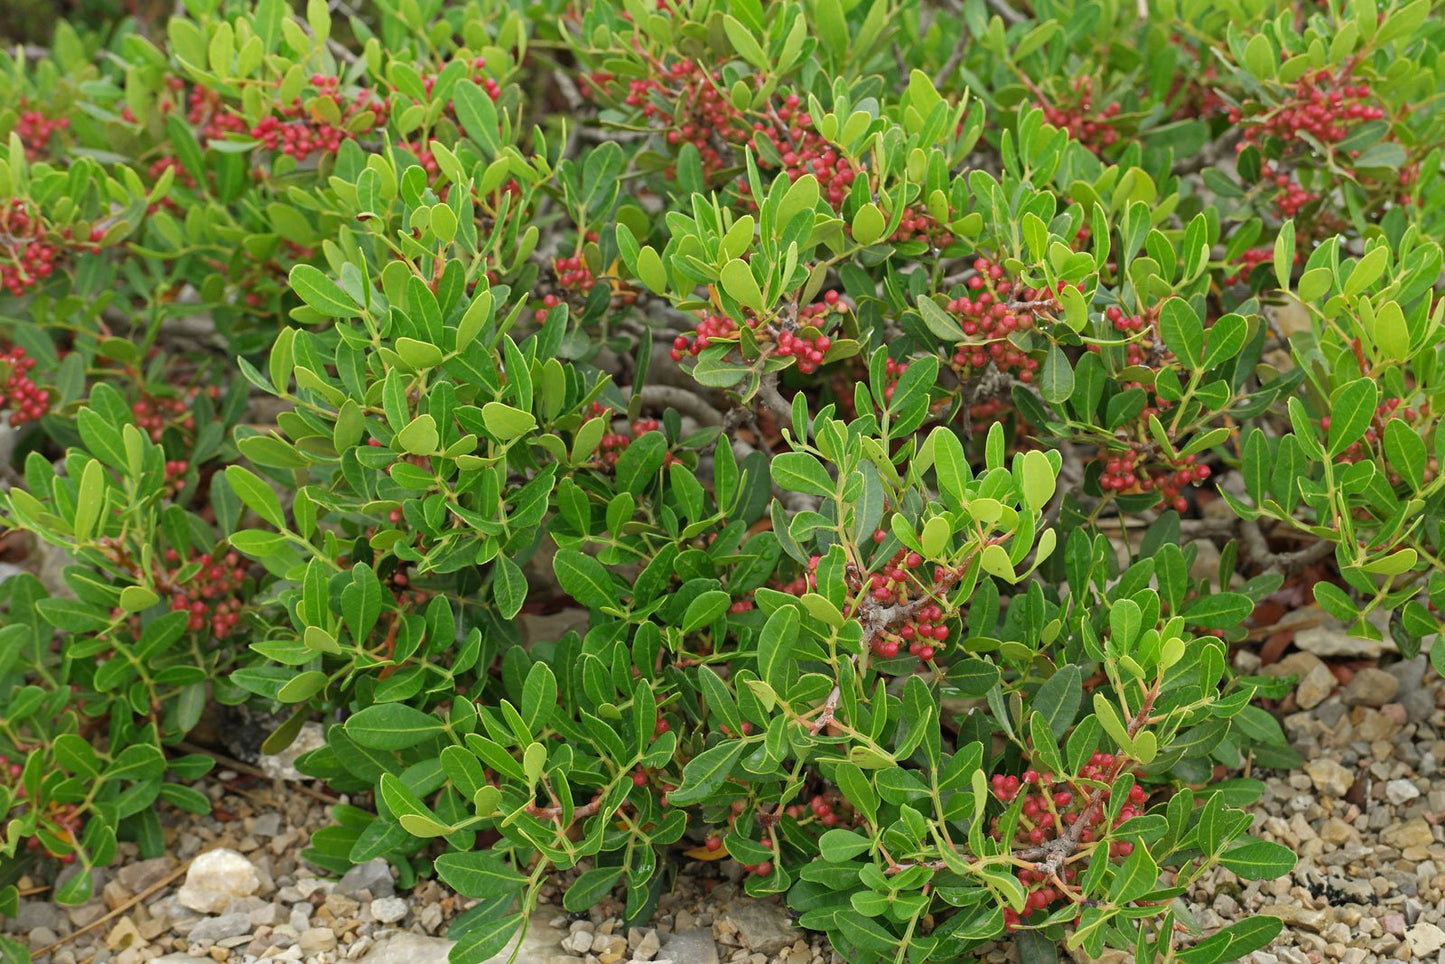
[(1370, 687), (1314, 686), (36, 913), (315, 940), (219, 928), (41, 937), (694, 946), (179, 958), (1329, 777), (215, 878), (647, 948), (145, 874), (405, 947), (763, 927), (267, 825), (1401, 792), (388, 910), (1333, 639), (1410, 674), (374, 876), (88, 913), (282, 766), (1425, 939)]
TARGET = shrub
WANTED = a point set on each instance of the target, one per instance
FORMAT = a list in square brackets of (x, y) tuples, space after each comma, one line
[(868, 375)]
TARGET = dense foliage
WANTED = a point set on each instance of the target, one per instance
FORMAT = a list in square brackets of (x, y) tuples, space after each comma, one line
[(869, 370)]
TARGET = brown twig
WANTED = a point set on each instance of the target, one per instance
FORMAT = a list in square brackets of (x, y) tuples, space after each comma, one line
[(234, 764), (152, 889), (1281, 562)]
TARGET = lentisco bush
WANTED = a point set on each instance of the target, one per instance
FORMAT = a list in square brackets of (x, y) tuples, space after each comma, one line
[(812, 352)]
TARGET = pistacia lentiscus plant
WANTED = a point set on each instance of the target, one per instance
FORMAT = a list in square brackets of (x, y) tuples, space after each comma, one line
[(858, 376)]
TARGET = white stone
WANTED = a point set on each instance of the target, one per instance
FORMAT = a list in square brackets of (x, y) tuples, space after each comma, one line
[(215, 878), (1424, 939), (1329, 777), (1400, 792), (388, 910)]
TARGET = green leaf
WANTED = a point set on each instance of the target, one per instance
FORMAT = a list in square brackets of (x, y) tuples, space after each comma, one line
[(1056, 380), (1233, 942), (1226, 339), (135, 599), (838, 845), (650, 270), (259, 497), (1367, 270), (478, 875), (1283, 255), (591, 887), (1136, 877), (1351, 409), (509, 586), (1405, 452), (420, 436), (868, 224), (704, 609), (801, 472), (321, 293), (584, 579), (775, 648), (940, 322), (738, 281), (505, 422), (1220, 610), (1039, 480), (744, 42), (1259, 860), (1059, 698), (1182, 332), (478, 115), (391, 726), (705, 773)]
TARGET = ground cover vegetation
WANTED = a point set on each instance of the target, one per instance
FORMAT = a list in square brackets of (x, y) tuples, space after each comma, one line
[(869, 370)]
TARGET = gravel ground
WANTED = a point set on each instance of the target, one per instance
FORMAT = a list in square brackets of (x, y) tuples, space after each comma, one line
[(1364, 814)]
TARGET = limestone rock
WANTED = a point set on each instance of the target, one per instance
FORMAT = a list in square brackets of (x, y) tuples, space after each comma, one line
[(1329, 777), (215, 878)]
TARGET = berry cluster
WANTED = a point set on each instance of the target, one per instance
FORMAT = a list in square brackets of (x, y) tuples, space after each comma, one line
[(892, 371), (916, 225), (994, 309), (689, 104), (204, 110), (1291, 196), (1130, 472), (1144, 348), (27, 403), (788, 342), (823, 807), (298, 132), (1050, 809), (479, 66), (1248, 260), (1322, 105), (25, 257), (801, 150), (923, 631), (613, 444), (35, 130), (1386, 411), (153, 413), (1090, 127), (209, 594), (424, 156)]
